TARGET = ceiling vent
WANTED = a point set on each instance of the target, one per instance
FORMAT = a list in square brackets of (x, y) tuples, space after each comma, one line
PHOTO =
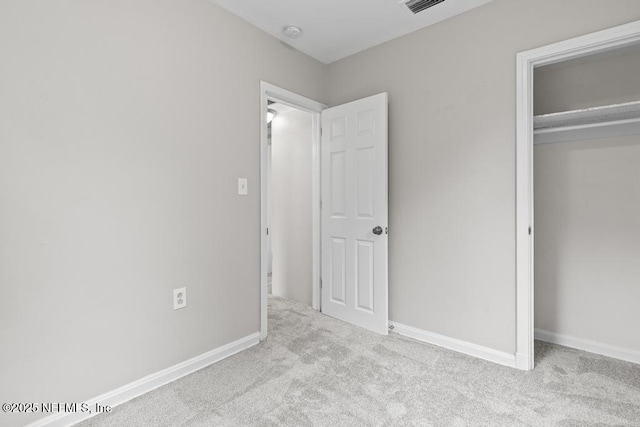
[(417, 6)]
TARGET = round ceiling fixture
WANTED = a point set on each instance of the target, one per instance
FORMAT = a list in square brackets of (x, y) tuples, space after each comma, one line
[(292, 31)]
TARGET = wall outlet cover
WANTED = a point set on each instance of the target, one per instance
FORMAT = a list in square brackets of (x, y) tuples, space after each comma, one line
[(179, 298)]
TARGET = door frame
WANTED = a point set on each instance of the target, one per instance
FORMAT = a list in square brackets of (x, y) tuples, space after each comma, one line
[(275, 93), (601, 41)]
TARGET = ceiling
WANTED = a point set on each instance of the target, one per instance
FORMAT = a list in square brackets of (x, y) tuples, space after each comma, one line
[(335, 29)]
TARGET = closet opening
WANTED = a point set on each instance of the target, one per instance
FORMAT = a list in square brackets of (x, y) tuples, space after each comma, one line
[(578, 195), (586, 158)]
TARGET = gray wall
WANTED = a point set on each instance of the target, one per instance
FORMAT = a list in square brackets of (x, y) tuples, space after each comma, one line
[(587, 209), (452, 157), (291, 225), (124, 126), (603, 79)]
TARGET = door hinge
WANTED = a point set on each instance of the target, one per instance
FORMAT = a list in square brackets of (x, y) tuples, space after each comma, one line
[(386, 230), (320, 131), (267, 231), (529, 230), (321, 283), (320, 203)]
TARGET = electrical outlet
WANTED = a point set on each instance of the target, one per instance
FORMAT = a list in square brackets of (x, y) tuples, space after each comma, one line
[(179, 298)]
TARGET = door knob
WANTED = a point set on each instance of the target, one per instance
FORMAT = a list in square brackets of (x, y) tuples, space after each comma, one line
[(377, 230)]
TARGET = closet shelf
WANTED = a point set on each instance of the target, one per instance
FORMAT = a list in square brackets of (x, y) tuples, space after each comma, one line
[(589, 123)]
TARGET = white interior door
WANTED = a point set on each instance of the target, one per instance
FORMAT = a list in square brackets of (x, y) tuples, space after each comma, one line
[(354, 213)]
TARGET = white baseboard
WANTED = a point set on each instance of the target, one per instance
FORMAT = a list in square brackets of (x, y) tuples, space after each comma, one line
[(460, 346), (149, 383), (590, 346)]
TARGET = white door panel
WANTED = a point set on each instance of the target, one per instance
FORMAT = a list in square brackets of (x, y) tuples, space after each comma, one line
[(354, 195)]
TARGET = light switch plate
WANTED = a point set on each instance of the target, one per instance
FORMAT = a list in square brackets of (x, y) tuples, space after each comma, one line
[(243, 190)]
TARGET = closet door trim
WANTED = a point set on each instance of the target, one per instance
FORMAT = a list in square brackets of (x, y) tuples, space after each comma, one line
[(601, 41)]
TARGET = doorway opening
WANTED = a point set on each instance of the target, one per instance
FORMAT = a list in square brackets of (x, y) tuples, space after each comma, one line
[(589, 125), (354, 220), (289, 216), (290, 197)]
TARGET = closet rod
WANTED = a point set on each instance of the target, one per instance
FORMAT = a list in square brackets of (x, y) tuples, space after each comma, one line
[(596, 122)]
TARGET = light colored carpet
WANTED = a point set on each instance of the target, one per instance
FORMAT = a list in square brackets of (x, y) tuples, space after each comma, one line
[(314, 370)]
